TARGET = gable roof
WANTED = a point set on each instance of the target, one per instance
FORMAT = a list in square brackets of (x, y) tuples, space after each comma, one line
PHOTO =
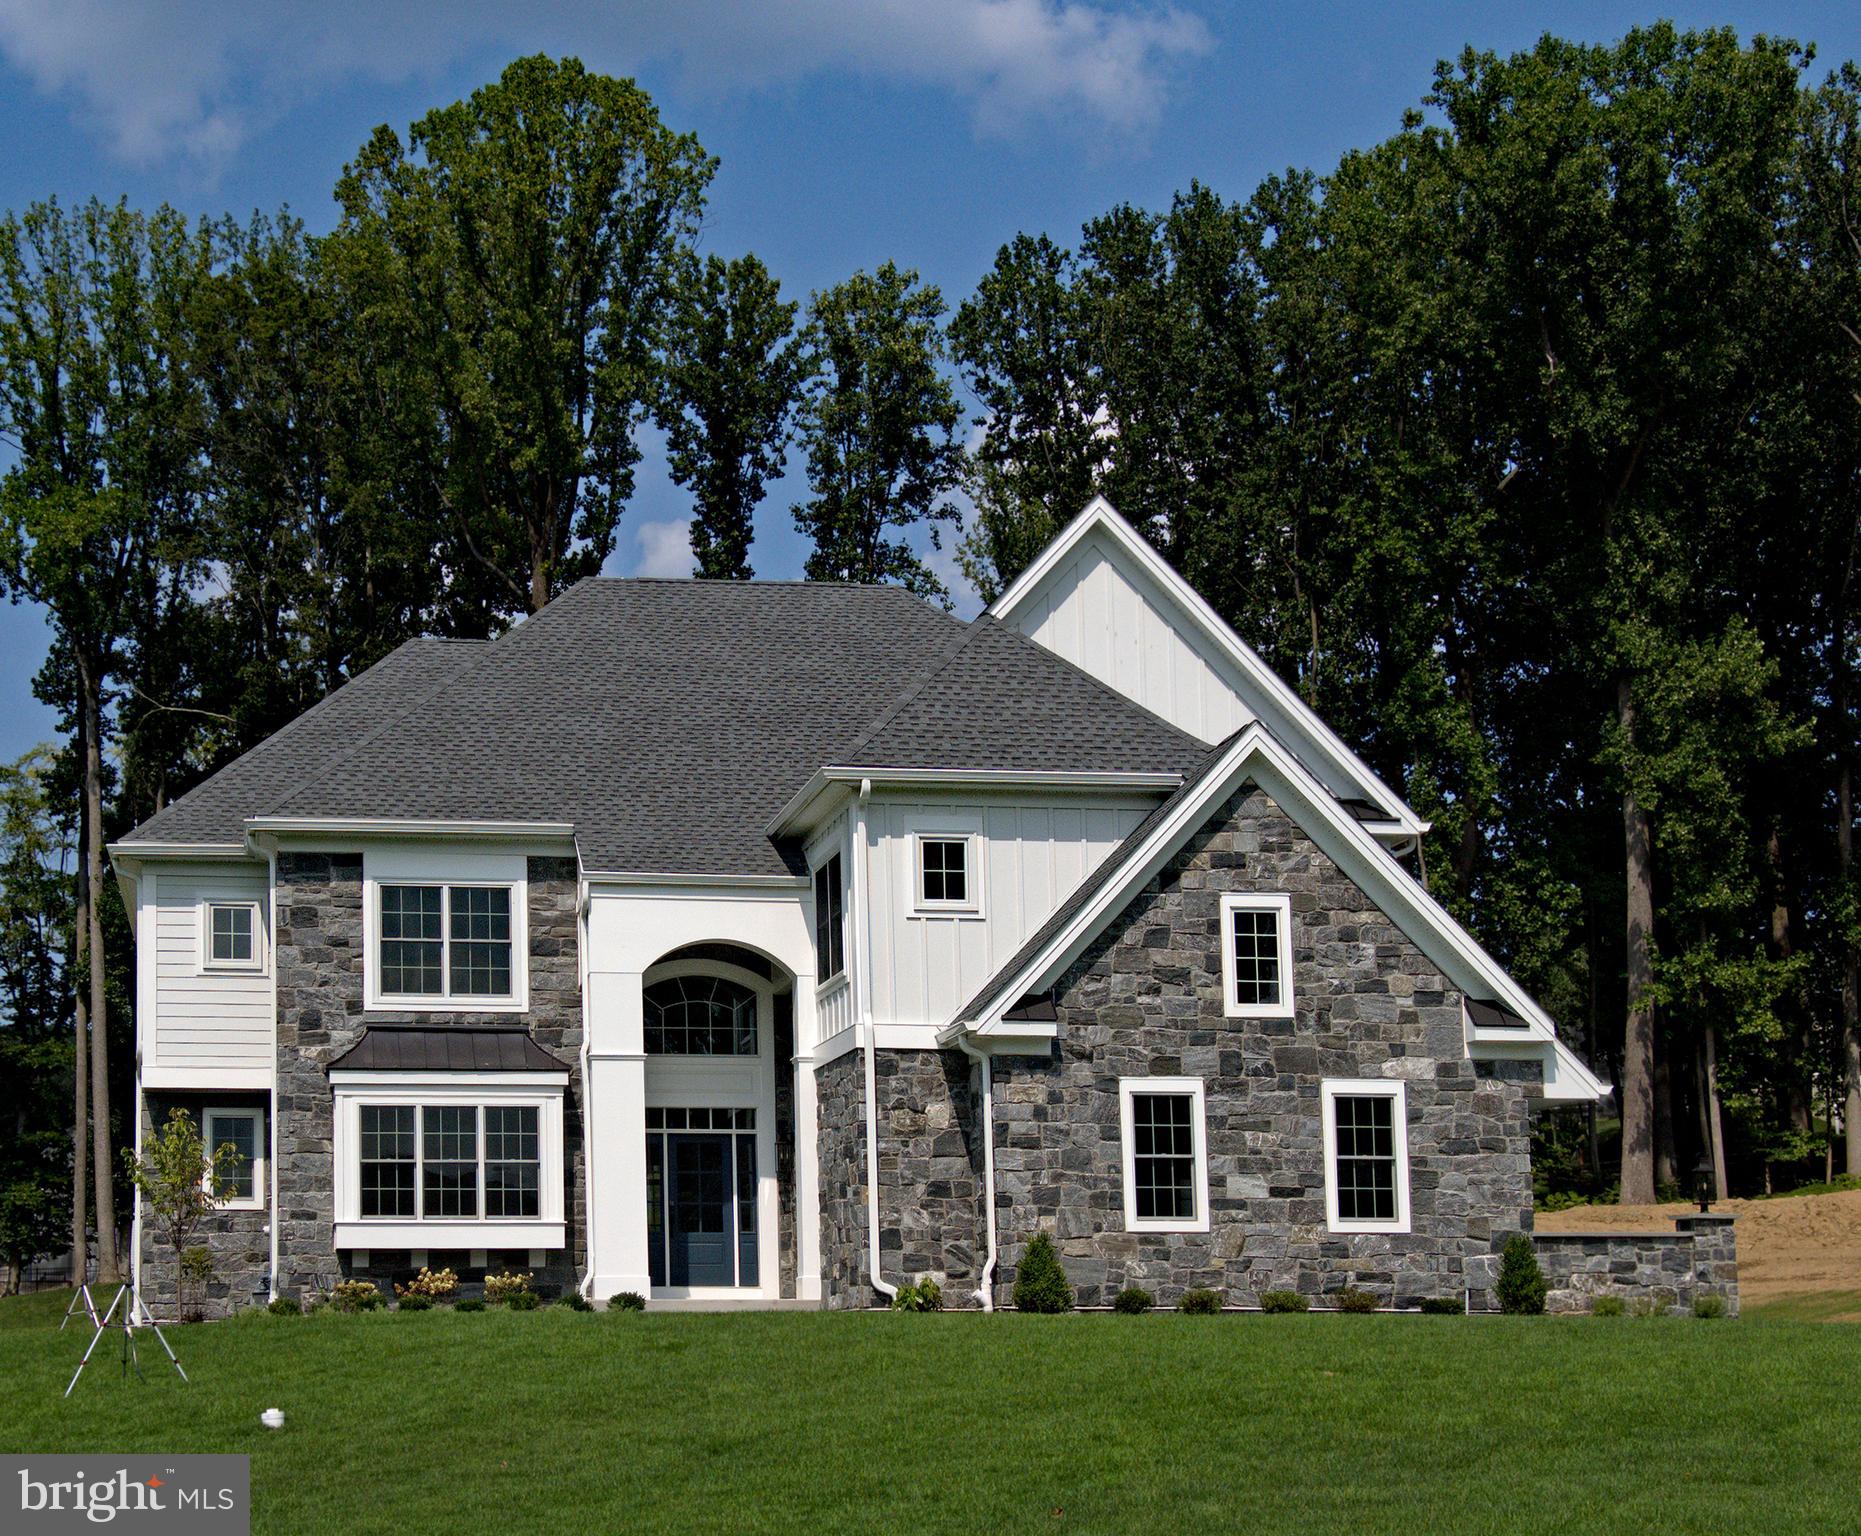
[(1262, 691), (1253, 755), (667, 721)]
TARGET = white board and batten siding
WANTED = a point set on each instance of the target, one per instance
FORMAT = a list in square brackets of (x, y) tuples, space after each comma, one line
[(1031, 853), (204, 1028), (1102, 616)]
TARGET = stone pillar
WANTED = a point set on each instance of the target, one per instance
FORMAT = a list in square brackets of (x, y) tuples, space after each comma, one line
[(617, 1132), (1715, 1257)]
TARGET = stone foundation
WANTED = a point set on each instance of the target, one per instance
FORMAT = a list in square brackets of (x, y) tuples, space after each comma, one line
[(840, 1087), (1664, 1270), (240, 1241)]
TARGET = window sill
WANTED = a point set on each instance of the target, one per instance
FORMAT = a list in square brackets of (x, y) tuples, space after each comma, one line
[(430, 1004), (232, 968), (439, 1233), (1140, 1228)]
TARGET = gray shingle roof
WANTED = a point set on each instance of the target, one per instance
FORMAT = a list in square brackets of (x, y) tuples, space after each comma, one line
[(669, 721), (398, 1048)]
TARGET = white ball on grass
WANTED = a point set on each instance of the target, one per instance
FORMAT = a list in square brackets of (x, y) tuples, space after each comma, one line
[(272, 1418)]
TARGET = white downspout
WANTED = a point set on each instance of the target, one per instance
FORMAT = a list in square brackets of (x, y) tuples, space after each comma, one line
[(271, 903), (985, 1292), (863, 998), (586, 1285)]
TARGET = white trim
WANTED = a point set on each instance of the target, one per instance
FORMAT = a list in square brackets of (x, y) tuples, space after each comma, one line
[(169, 1079), (1393, 1088), (1190, 1088), (752, 882), (447, 870), (360, 1236), (1256, 901), (208, 965), (1256, 755), (260, 1162), (848, 776), (394, 826), (1100, 514), (135, 852), (973, 858)]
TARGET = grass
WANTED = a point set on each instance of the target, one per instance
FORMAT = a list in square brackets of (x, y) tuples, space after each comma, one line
[(966, 1423), (1808, 1307)]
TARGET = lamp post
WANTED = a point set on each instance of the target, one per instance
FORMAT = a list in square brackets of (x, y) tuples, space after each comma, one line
[(1702, 1182)]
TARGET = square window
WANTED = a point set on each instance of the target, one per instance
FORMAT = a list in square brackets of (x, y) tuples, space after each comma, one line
[(232, 933), (943, 871), (1256, 955), (1165, 1155), (1366, 1156)]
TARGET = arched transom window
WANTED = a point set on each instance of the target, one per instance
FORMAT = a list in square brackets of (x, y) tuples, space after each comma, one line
[(700, 1016)]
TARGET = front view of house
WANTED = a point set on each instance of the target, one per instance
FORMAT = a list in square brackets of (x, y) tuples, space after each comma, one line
[(786, 942)]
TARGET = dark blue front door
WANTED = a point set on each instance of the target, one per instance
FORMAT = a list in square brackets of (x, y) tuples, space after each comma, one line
[(698, 1207)]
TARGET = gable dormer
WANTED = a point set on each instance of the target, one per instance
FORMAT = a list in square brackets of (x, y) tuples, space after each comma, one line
[(1103, 599)]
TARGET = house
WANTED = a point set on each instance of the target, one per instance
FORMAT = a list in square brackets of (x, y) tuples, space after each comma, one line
[(779, 943)]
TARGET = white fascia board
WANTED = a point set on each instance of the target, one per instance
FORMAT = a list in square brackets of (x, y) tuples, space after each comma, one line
[(842, 776), (731, 882), (207, 1078), (463, 1233), (1101, 514), (395, 826), (130, 851), (1257, 755), (425, 1080)]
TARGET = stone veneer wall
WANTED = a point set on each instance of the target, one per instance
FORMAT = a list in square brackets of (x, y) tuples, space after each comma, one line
[(240, 1241), (840, 1146), (320, 1015), (1146, 1000), (1665, 1269)]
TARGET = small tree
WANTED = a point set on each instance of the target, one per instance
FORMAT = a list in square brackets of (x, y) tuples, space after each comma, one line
[(180, 1184), (1522, 1285), (1040, 1282)]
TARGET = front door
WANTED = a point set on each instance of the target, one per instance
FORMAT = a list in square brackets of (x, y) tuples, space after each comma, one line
[(699, 1210)]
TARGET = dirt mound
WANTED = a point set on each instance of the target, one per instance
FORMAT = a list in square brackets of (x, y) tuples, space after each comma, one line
[(1787, 1247)]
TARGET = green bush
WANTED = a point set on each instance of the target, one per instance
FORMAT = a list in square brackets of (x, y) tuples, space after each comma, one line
[(1350, 1299), (414, 1301), (502, 1288), (576, 1302), (925, 1296), (1040, 1282), (1709, 1304), (1522, 1285), (1444, 1306), (471, 1304), (1134, 1298), (1607, 1306), (1200, 1302), (1283, 1301), (356, 1296), (523, 1301), (285, 1306), (626, 1301)]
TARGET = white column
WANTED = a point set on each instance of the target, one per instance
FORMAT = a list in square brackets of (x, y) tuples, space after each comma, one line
[(616, 1111), (807, 1153)]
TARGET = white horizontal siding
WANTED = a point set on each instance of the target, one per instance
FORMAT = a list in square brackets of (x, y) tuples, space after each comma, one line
[(1032, 853), (1104, 619), (220, 1019)]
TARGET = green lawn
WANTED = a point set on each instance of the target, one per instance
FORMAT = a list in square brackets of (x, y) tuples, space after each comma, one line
[(963, 1423)]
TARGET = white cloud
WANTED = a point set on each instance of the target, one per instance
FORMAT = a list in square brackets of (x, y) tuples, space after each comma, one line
[(196, 78), (665, 548)]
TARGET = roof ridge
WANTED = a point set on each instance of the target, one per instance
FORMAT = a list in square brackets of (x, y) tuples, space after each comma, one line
[(330, 765), (922, 680)]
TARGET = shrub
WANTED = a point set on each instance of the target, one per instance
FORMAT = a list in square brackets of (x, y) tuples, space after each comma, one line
[(505, 1287), (1350, 1299), (523, 1301), (1283, 1301), (414, 1301), (925, 1296), (355, 1296), (1134, 1298), (440, 1286), (285, 1306), (576, 1302), (1522, 1285), (1607, 1306), (626, 1301), (1040, 1282), (471, 1304), (1444, 1306), (1200, 1302), (1709, 1304)]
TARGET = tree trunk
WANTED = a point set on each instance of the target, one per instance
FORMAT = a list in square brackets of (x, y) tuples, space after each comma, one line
[(1851, 963), (1666, 1157), (1715, 1113), (90, 705), (1796, 1085), (80, 1057), (1637, 1086)]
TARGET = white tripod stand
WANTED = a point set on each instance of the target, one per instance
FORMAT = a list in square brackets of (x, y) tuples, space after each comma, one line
[(127, 1298)]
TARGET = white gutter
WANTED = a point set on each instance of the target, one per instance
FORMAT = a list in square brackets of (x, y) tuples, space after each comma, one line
[(271, 865), (1086, 781), (395, 826), (863, 1001), (985, 1292)]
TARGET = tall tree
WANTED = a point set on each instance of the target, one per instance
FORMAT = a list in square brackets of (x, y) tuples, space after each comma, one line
[(516, 257), (96, 515), (879, 422), (734, 373)]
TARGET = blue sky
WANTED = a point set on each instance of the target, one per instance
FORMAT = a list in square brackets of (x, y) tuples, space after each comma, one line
[(850, 131)]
